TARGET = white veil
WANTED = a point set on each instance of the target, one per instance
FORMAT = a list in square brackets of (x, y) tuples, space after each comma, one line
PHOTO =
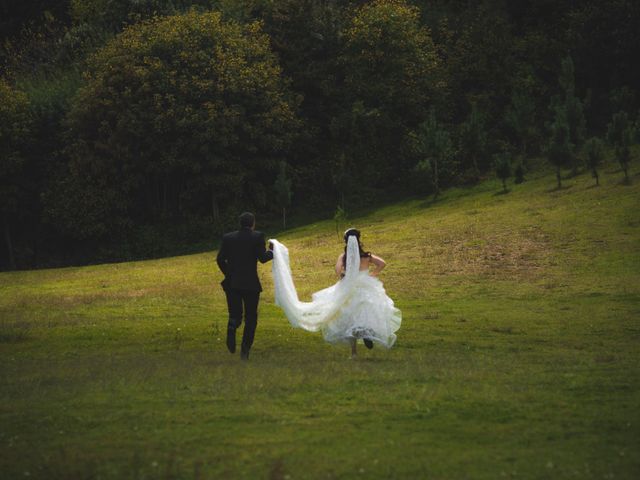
[(312, 316)]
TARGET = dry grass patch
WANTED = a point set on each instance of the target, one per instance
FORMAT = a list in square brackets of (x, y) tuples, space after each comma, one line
[(501, 255)]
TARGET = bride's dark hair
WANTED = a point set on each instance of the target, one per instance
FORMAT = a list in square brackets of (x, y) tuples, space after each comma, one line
[(355, 233)]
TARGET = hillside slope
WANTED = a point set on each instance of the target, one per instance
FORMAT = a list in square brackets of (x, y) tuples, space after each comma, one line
[(517, 357)]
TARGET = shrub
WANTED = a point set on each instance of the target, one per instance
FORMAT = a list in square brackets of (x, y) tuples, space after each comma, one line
[(502, 162)]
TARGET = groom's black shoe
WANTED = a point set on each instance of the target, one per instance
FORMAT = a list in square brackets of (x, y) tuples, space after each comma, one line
[(368, 343), (244, 355), (231, 339)]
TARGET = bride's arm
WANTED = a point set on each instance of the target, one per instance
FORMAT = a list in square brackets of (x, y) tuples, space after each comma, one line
[(340, 266), (379, 263)]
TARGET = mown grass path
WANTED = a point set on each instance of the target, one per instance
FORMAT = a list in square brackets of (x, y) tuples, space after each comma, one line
[(518, 356)]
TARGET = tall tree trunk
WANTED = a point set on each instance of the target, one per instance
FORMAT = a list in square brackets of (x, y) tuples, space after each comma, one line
[(164, 198), (436, 180), (284, 218), (215, 211), (595, 174), (558, 178), (574, 165), (524, 153), (7, 239), (476, 170), (504, 184)]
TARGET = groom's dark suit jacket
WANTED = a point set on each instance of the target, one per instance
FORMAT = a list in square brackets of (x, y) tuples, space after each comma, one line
[(238, 259)]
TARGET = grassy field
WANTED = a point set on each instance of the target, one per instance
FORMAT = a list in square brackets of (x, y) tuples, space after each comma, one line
[(518, 356)]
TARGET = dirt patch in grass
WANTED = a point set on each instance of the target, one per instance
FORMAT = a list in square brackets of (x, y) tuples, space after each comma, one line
[(499, 255)]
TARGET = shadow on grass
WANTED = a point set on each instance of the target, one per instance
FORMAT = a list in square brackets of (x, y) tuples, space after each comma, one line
[(15, 332), (559, 189), (430, 202), (69, 463), (625, 182)]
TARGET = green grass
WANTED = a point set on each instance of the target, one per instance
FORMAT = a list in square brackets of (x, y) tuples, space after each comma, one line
[(518, 355)]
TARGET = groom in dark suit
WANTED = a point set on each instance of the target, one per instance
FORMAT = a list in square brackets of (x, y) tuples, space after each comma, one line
[(238, 259)]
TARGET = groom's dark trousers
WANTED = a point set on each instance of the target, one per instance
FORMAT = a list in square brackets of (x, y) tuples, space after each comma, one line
[(237, 301), (238, 259)]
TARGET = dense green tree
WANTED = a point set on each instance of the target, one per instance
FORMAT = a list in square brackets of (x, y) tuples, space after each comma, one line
[(622, 99), (571, 108), (594, 148), (476, 42), (307, 37), (15, 125), (178, 116), (167, 131), (603, 37), (392, 74), (574, 107), (560, 150), (473, 141), (520, 119), (433, 145)]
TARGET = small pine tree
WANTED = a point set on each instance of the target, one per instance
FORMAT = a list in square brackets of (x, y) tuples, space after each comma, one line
[(623, 155), (569, 110), (595, 153), (560, 151), (502, 162), (619, 135), (340, 220), (519, 173), (520, 118), (433, 144), (283, 192), (573, 106), (473, 139)]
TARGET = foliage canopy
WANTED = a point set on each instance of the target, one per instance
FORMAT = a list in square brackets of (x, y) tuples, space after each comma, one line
[(178, 114)]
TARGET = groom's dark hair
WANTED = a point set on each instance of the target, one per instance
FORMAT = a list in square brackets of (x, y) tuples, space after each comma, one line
[(247, 219)]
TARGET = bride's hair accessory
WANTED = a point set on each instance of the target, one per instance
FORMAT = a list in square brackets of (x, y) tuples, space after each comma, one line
[(351, 231)]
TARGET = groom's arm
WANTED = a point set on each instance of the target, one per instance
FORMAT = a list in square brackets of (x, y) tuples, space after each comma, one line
[(262, 253), (221, 259)]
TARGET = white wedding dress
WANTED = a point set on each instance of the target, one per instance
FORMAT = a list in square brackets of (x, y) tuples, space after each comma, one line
[(357, 306)]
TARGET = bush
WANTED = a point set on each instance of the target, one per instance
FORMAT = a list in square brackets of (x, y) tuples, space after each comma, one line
[(502, 163), (177, 116)]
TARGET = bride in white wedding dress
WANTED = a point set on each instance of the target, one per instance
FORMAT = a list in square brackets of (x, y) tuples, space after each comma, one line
[(356, 307)]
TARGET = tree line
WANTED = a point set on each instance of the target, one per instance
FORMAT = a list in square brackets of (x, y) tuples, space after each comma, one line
[(132, 129)]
